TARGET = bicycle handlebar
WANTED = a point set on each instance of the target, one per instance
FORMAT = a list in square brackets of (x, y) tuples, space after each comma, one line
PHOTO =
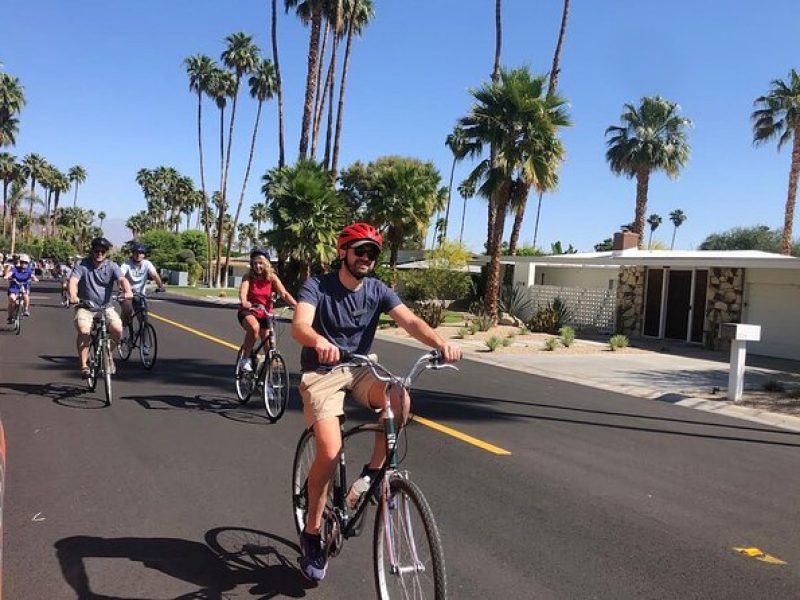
[(429, 360)]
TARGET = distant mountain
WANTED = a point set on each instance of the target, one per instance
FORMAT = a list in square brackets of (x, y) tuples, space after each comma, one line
[(114, 229)]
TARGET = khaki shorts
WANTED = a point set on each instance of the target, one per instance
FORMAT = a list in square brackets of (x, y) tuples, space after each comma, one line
[(84, 318), (323, 391)]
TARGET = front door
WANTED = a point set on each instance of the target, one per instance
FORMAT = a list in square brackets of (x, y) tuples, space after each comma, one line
[(679, 291)]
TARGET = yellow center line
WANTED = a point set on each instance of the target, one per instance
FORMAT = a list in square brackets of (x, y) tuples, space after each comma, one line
[(421, 420)]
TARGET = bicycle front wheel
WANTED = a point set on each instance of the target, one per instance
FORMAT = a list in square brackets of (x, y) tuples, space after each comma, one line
[(148, 346), (245, 380), (126, 344), (92, 363), (408, 556), (276, 387), (18, 321), (108, 366)]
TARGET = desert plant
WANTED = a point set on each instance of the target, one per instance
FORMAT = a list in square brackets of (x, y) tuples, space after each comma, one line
[(617, 342), (514, 301), (773, 385), (551, 343), (462, 333), (492, 343), (567, 334), (551, 317), (430, 312), (482, 322), (506, 342)]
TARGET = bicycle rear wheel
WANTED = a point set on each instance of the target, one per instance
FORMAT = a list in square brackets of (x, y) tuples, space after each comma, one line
[(245, 380), (127, 343), (91, 381), (148, 346), (408, 556), (276, 387), (108, 365), (18, 321)]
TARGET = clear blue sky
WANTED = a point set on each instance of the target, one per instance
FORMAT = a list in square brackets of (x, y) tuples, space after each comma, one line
[(106, 89)]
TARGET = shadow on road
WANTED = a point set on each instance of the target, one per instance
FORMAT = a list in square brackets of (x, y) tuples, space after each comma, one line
[(69, 395), (231, 557)]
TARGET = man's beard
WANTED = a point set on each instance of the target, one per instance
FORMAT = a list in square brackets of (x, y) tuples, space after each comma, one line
[(353, 271)]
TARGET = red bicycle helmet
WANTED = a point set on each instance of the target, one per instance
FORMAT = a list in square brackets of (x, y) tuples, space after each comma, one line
[(359, 232)]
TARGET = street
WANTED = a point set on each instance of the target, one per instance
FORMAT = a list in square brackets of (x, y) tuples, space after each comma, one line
[(162, 494)]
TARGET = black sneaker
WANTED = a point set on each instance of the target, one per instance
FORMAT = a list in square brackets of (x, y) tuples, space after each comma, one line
[(313, 561)]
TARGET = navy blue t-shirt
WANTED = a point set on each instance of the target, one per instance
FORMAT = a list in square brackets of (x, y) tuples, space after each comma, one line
[(346, 318)]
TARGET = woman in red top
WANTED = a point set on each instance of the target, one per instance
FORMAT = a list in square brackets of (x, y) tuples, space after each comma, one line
[(255, 297)]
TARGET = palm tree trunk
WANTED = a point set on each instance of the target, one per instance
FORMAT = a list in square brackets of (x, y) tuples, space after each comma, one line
[(75, 197), (221, 208), (493, 276), (449, 196), (642, 184), (244, 187), (13, 231), (518, 218), (319, 93), (554, 72), (5, 206), (203, 179), (463, 216), (498, 40), (788, 218), (340, 109), (281, 154), (311, 79), (492, 217), (330, 91), (55, 210), (674, 231)]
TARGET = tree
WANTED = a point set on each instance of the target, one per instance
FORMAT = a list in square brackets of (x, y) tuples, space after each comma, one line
[(778, 115), (361, 13), (262, 87), (605, 246), (456, 143), (758, 237), (654, 221), (520, 125), (18, 194), (278, 84), (60, 185), (200, 70), (77, 175), (652, 137), (162, 246), (102, 216), (139, 223), (12, 101), (8, 167), (35, 166), (677, 217), (259, 214), (194, 240), (466, 191), (306, 213)]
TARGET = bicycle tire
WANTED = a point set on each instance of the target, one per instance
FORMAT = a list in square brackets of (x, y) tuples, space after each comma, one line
[(275, 388), (244, 382), (126, 344), (148, 346), (91, 381), (415, 535), (107, 362), (17, 321)]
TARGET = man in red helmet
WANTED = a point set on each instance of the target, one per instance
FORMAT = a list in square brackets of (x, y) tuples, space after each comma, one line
[(340, 311)]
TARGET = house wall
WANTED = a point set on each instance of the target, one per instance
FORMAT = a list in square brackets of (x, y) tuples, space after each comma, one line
[(771, 299), (630, 299), (586, 277), (723, 300)]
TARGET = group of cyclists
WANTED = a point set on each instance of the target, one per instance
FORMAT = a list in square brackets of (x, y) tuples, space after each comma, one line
[(335, 315)]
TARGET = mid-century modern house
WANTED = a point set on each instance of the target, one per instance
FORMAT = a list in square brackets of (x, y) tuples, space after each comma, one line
[(680, 295)]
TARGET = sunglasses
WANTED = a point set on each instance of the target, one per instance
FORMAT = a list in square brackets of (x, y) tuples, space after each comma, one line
[(371, 252), (99, 250)]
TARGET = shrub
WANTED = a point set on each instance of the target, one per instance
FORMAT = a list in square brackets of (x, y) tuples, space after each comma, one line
[(773, 385), (617, 342), (195, 273), (482, 322), (162, 247), (58, 249), (544, 319), (567, 334), (551, 343), (430, 312), (507, 342), (473, 328), (492, 343), (176, 266), (195, 240), (462, 333), (515, 301), (186, 255)]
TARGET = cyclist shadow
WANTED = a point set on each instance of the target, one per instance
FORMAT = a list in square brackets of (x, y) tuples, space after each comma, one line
[(69, 395), (226, 407), (230, 558)]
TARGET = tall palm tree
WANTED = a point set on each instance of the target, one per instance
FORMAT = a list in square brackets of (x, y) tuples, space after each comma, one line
[(457, 145), (466, 191), (35, 166), (201, 69), (278, 85), (677, 217), (18, 194), (262, 88), (778, 115), (335, 14), (316, 109), (258, 213), (102, 216), (46, 182), (309, 11), (7, 168), (520, 124), (652, 137), (654, 221), (77, 175), (491, 214), (60, 185), (12, 101)]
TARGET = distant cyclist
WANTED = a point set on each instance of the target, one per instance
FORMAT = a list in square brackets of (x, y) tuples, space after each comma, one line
[(62, 273), (20, 276), (255, 296), (138, 270), (92, 281)]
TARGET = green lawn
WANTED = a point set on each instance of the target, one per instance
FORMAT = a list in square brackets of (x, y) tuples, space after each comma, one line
[(450, 318), (185, 290)]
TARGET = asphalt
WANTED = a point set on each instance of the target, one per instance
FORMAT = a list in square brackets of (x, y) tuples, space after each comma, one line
[(670, 372)]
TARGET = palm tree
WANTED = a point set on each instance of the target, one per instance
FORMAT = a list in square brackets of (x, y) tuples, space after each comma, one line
[(46, 180), (677, 217), (77, 175), (12, 101), (258, 213), (654, 221), (278, 86), (60, 185), (361, 13), (102, 216), (35, 166), (778, 116), (457, 146), (18, 194), (520, 124), (7, 168), (262, 87), (466, 191), (652, 137), (309, 11), (335, 22), (328, 7)]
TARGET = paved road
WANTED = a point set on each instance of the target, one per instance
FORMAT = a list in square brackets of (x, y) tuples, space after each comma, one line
[(603, 495)]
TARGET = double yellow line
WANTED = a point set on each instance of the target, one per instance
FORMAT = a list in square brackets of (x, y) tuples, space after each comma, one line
[(421, 420)]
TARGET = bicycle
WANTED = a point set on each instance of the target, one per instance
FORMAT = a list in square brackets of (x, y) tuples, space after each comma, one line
[(19, 309), (100, 361), (142, 337), (269, 375), (407, 550)]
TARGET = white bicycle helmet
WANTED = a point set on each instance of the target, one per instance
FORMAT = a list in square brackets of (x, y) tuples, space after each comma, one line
[(24, 258)]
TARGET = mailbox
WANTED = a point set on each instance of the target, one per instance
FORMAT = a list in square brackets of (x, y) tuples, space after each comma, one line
[(740, 332)]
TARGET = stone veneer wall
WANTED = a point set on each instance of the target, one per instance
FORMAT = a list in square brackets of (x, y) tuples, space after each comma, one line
[(724, 298), (630, 300)]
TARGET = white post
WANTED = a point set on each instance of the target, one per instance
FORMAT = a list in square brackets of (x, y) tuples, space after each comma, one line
[(736, 375)]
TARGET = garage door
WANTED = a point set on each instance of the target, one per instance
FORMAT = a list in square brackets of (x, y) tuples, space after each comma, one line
[(776, 307)]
